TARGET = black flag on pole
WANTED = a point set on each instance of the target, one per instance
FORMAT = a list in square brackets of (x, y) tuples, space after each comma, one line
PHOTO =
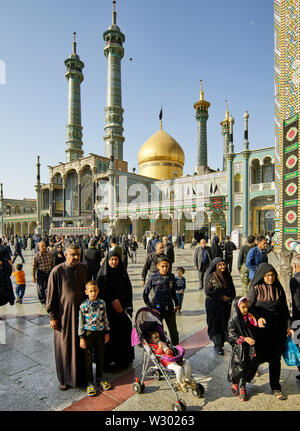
[(211, 188), (160, 114), (216, 188)]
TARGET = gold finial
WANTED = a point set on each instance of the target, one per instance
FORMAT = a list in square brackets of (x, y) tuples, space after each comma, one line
[(226, 112), (114, 5), (201, 90)]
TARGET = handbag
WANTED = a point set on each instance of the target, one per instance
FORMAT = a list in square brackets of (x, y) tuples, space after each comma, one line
[(291, 354)]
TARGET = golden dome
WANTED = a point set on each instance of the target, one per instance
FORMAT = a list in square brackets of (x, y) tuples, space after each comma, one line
[(161, 157)]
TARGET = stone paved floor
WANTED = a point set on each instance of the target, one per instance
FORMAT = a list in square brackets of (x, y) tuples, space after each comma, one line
[(27, 369)]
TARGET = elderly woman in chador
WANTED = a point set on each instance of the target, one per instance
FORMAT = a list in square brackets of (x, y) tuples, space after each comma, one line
[(219, 291), (66, 291), (267, 302)]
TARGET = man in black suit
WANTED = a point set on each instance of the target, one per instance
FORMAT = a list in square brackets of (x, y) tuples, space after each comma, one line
[(202, 259)]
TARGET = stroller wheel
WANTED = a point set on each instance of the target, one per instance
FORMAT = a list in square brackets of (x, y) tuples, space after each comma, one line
[(199, 391), (138, 387), (157, 375), (179, 406)]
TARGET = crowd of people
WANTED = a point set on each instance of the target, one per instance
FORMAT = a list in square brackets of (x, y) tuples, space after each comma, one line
[(84, 286)]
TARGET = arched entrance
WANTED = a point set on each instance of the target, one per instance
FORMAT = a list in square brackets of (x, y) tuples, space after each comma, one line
[(218, 224), (143, 225), (163, 225), (124, 226)]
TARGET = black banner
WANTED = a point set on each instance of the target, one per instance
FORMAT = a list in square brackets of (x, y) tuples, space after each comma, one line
[(290, 182)]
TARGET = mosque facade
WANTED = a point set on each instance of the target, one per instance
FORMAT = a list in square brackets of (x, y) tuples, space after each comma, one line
[(93, 194)]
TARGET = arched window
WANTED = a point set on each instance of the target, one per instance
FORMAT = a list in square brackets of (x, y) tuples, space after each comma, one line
[(268, 170), (237, 183), (255, 172), (238, 216)]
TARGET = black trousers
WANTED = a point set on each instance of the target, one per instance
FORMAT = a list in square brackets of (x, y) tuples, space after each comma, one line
[(274, 372), (95, 342), (21, 256), (201, 275), (228, 261), (170, 319), (42, 282)]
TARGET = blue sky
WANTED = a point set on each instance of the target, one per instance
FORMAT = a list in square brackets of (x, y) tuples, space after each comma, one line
[(173, 44)]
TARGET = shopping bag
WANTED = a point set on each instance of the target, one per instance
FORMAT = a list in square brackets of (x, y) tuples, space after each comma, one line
[(291, 354)]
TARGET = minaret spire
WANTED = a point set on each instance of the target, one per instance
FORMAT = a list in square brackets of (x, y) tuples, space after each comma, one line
[(74, 42), (114, 14), (114, 53), (225, 133), (74, 129), (202, 116)]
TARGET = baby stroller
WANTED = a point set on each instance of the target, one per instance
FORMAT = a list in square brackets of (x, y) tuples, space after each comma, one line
[(145, 320)]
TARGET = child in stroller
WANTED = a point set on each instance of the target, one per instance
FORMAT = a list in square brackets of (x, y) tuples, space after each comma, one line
[(166, 355), (148, 330)]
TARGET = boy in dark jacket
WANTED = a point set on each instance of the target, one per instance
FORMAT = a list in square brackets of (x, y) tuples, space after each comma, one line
[(163, 285)]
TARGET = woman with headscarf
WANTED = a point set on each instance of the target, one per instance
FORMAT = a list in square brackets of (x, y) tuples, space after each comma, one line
[(116, 290), (267, 302), (58, 255), (215, 248), (219, 291)]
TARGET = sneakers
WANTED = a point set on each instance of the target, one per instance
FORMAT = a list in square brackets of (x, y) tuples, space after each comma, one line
[(235, 389), (103, 384), (242, 394), (91, 391), (17, 300)]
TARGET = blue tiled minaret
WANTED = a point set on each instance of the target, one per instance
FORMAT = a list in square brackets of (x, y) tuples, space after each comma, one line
[(114, 53), (74, 129)]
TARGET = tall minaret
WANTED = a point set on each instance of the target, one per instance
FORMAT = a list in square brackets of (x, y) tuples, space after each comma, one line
[(225, 134), (74, 129), (114, 52), (201, 116), (38, 189), (229, 157), (246, 154)]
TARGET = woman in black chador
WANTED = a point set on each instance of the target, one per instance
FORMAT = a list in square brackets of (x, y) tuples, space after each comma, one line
[(243, 364), (219, 291), (267, 302), (116, 290)]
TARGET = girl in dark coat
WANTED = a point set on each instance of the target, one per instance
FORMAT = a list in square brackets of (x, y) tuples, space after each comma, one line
[(116, 290), (219, 291), (267, 302), (243, 362)]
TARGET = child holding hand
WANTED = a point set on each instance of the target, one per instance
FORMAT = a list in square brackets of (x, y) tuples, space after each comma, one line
[(242, 327), (93, 331)]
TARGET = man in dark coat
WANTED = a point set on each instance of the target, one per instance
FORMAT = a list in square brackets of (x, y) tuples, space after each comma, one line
[(65, 293), (92, 258), (202, 259), (229, 247), (169, 251), (257, 255), (151, 261), (295, 294)]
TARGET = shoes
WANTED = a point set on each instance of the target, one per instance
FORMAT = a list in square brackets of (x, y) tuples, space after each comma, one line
[(64, 387), (43, 305), (179, 312), (91, 391), (17, 300), (219, 351), (200, 288), (20, 300), (242, 394), (104, 385), (192, 383), (235, 389), (279, 395)]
